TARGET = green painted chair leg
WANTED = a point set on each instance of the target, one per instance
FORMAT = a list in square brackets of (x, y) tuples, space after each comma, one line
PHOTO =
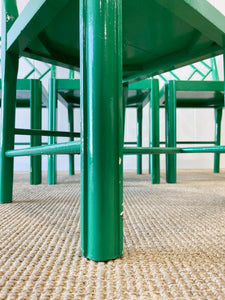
[(125, 97), (102, 129), (9, 67), (154, 130), (218, 119), (71, 129), (52, 111), (35, 123), (139, 138), (171, 168)]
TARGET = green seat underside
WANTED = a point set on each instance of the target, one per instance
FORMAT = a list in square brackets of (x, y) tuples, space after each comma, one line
[(23, 94), (200, 99), (199, 94), (135, 97), (197, 99), (147, 27)]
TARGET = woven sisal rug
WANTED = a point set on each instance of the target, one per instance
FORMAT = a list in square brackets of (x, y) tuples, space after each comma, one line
[(174, 242)]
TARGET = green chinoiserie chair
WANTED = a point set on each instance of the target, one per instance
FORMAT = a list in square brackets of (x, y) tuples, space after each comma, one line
[(100, 39), (192, 94), (141, 93), (67, 91), (31, 94)]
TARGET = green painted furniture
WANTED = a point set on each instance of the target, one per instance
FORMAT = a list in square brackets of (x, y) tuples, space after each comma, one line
[(67, 91), (192, 94), (147, 91), (101, 39), (30, 94)]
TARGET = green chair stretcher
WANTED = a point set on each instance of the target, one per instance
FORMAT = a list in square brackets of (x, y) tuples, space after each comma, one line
[(191, 94), (88, 38), (67, 91)]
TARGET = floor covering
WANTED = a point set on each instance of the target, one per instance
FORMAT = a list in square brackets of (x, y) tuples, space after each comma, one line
[(174, 241)]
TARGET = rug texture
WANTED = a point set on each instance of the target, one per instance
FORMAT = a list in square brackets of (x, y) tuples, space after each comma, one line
[(174, 241)]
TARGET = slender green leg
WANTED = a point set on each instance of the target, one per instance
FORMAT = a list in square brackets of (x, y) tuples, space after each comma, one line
[(35, 123), (102, 129), (171, 132), (154, 130), (71, 129), (125, 96), (218, 118), (52, 110), (139, 138)]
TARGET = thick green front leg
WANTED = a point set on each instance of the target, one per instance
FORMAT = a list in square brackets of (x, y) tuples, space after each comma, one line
[(9, 76), (171, 164), (154, 131), (139, 138), (35, 123), (52, 120), (71, 129), (9, 67), (102, 129), (218, 118)]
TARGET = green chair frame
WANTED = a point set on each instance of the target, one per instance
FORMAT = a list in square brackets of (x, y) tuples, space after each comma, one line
[(57, 88), (204, 94), (89, 38), (31, 94), (147, 91)]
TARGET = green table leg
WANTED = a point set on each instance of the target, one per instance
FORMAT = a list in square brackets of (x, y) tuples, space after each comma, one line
[(154, 130), (218, 119), (139, 139), (71, 129), (9, 67), (102, 129), (52, 118), (171, 168), (35, 123)]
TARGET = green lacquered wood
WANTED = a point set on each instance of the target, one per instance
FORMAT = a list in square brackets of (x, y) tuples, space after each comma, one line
[(193, 142), (218, 119), (61, 148), (67, 84), (194, 35), (102, 122), (35, 123), (125, 99), (33, 19), (143, 55), (139, 138), (52, 115), (151, 150), (71, 129), (184, 85), (21, 131), (212, 149), (130, 143), (75, 147), (170, 110), (154, 130), (172, 150), (9, 68)]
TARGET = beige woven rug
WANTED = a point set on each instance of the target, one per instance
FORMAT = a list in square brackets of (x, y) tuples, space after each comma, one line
[(174, 242)]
